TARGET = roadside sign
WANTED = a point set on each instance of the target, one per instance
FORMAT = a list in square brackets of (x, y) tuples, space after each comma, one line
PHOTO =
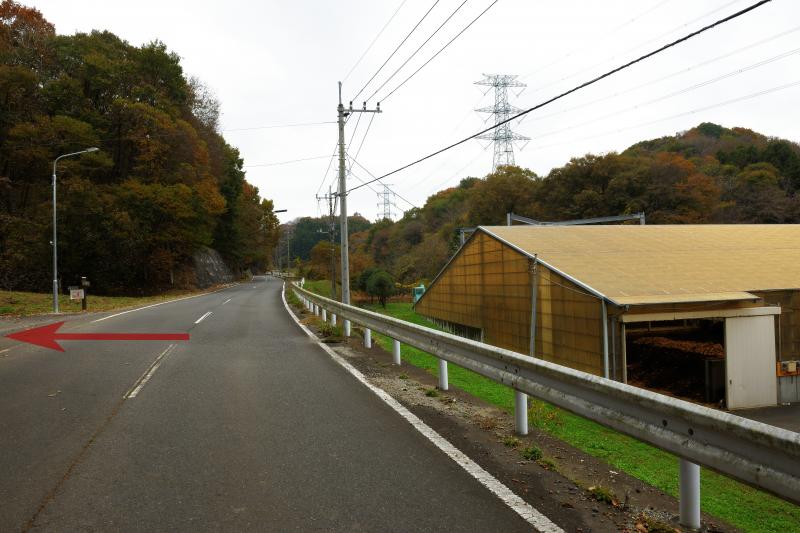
[(75, 293)]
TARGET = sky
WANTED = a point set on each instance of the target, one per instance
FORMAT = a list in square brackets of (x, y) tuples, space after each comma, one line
[(274, 63)]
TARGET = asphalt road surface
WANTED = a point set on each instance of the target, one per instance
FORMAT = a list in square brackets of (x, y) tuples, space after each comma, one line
[(248, 426)]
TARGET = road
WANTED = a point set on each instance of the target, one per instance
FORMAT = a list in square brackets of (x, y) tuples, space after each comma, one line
[(249, 426)]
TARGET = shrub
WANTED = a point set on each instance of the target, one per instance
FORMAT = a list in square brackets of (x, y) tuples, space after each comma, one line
[(380, 285)]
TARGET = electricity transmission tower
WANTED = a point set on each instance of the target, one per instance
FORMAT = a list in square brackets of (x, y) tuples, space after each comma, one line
[(502, 136), (385, 204)]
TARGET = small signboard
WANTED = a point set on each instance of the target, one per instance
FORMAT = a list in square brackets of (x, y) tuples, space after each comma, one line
[(75, 293)]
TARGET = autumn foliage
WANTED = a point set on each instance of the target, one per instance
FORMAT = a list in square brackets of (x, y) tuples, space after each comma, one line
[(163, 184), (709, 174)]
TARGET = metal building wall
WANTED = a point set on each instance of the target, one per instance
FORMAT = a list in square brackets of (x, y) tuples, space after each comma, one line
[(569, 324), (488, 286), (789, 320)]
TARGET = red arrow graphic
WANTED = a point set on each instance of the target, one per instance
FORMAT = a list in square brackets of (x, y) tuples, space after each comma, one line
[(48, 335)]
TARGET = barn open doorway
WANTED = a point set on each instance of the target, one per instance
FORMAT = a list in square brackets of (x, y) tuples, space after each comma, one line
[(681, 358)]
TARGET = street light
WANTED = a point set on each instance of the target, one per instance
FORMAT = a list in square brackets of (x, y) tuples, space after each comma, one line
[(55, 235)]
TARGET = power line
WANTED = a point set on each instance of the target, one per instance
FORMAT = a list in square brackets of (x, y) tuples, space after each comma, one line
[(148, 136), (579, 87), (640, 45), (364, 138), (286, 162), (668, 76), (678, 115), (455, 174), (270, 127), (376, 179), (396, 11), (396, 49), (442, 49), (675, 93), (325, 176), (593, 42), (417, 50)]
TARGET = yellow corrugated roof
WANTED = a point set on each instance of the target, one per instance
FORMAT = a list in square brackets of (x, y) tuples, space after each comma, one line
[(634, 264)]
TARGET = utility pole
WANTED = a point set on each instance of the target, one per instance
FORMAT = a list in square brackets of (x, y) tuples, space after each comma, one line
[(331, 198), (343, 198)]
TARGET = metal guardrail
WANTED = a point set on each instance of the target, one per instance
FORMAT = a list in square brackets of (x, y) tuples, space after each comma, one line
[(757, 454)]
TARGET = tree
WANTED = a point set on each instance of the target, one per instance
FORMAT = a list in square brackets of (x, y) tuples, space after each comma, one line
[(163, 185), (381, 285), (509, 189)]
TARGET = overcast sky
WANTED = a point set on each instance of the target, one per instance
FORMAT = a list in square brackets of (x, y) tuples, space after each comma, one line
[(277, 62)]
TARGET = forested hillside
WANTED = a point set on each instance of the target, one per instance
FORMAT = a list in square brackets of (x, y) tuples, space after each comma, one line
[(163, 184), (709, 174)]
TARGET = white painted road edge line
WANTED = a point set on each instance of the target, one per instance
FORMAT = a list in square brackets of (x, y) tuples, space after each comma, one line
[(517, 504), (226, 301), (156, 305), (203, 317), (148, 374)]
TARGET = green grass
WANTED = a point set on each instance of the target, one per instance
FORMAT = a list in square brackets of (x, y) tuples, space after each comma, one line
[(743, 507), (321, 287), (18, 303)]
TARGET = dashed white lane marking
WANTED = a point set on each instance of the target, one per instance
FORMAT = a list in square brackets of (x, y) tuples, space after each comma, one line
[(203, 317), (148, 374), (517, 504), (156, 305), (226, 301)]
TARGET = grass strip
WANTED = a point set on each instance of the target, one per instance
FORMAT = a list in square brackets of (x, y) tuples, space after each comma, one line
[(18, 303), (742, 506)]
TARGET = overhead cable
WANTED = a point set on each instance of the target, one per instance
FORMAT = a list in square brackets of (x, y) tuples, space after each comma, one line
[(674, 93), (442, 49), (678, 115), (396, 49), (286, 162), (396, 11), (540, 88), (593, 43), (668, 76), (370, 97), (578, 87)]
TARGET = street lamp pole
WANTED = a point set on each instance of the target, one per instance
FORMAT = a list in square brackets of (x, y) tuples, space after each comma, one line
[(55, 233)]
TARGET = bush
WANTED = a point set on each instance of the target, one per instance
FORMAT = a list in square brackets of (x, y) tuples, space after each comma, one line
[(381, 285)]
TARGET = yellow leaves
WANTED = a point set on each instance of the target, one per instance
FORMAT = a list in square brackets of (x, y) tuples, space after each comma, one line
[(211, 200)]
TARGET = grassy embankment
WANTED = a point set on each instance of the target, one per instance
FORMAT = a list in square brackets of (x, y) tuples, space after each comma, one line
[(17, 303), (741, 506)]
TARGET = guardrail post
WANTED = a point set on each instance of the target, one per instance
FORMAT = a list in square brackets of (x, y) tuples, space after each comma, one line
[(443, 382), (690, 494), (367, 338), (316, 310), (521, 412), (324, 315), (346, 328), (396, 352), (333, 319)]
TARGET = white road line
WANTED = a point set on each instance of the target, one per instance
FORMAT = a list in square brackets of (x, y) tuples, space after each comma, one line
[(203, 317), (148, 374), (226, 301), (517, 504), (156, 305)]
